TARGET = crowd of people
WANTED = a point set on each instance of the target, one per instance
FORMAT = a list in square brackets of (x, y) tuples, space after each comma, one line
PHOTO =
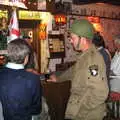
[(94, 77)]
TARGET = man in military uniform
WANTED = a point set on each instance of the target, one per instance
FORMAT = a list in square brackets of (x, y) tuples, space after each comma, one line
[(88, 75)]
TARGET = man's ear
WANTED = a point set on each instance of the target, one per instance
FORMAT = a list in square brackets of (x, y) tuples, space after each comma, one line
[(83, 40), (26, 60)]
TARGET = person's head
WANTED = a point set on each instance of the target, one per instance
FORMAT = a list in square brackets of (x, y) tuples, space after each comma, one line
[(82, 32), (18, 51), (117, 42), (98, 40), (27, 39)]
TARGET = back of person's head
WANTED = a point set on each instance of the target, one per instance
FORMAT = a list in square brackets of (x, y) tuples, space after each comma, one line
[(83, 28), (98, 40), (18, 49)]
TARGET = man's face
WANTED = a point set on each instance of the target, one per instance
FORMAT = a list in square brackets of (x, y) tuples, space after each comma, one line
[(79, 43), (75, 41)]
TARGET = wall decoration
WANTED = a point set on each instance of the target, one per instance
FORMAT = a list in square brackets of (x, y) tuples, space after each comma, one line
[(56, 45), (103, 11)]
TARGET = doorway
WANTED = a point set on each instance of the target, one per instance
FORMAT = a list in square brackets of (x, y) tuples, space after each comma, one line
[(30, 28)]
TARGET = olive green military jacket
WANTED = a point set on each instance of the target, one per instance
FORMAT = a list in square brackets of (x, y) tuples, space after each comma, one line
[(89, 84)]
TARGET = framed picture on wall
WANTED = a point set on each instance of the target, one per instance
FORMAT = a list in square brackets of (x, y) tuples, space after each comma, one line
[(56, 45)]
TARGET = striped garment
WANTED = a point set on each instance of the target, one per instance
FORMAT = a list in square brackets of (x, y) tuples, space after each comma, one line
[(115, 73)]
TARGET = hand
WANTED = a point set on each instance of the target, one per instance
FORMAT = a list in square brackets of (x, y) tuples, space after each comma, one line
[(32, 70), (52, 78)]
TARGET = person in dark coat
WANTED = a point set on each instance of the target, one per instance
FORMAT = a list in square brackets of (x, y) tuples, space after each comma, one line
[(20, 91), (100, 44)]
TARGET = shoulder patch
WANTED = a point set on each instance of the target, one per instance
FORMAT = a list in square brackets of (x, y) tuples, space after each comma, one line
[(93, 69)]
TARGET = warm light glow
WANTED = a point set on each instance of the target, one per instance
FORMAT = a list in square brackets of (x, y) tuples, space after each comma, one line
[(3, 13), (98, 27), (96, 23), (94, 19), (45, 17), (60, 19), (35, 15)]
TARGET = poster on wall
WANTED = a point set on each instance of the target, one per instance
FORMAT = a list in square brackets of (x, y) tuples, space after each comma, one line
[(56, 45)]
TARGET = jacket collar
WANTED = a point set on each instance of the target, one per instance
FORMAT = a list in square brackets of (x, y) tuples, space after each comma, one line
[(14, 66)]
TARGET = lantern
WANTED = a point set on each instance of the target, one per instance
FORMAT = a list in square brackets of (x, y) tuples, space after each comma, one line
[(60, 19)]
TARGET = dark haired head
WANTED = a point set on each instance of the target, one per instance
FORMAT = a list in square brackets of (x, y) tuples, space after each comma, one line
[(98, 40)]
